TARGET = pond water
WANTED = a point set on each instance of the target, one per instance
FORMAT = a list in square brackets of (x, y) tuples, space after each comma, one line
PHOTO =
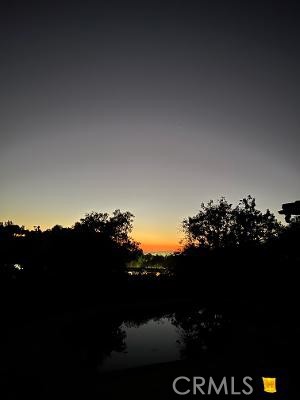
[(155, 341), (162, 339), (113, 341)]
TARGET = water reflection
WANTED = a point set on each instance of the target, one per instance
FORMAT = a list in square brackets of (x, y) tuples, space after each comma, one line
[(164, 338), (151, 342), (81, 348), (76, 351), (92, 342), (199, 332)]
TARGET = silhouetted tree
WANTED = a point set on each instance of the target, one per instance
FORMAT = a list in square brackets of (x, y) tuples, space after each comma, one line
[(56, 264), (211, 227), (117, 227), (251, 226), (57, 228), (92, 222), (220, 225), (228, 249), (9, 229)]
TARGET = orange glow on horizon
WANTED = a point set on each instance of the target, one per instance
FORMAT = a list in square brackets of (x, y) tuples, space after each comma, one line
[(150, 240), (153, 247)]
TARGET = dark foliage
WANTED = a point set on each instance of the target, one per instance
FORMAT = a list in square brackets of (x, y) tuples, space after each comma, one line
[(237, 253), (66, 265)]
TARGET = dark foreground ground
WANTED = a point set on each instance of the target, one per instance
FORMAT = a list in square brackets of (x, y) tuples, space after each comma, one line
[(57, 356), (257, 343)]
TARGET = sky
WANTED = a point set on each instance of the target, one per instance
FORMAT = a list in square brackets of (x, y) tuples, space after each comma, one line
[(150, 106)]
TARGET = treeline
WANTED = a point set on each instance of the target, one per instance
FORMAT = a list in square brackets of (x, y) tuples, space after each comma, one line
[(75, 265), (227, 251), (238, 252)]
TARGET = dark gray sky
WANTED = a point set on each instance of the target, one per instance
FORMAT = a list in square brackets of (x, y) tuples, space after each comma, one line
[(148, 106)]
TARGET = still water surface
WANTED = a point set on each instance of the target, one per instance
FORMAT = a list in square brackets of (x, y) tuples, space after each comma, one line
[(162, 339), (153, 342)]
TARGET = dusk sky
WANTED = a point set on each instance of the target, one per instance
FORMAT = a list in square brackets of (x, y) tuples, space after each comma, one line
[(150, 107)]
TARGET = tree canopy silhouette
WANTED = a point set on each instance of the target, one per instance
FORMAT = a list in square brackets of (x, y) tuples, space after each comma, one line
[(91, 253), (117, 227), (9, 229), (220, 225)]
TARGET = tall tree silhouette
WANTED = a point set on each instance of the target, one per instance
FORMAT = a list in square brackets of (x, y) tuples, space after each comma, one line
[(116, 227), (220, 225)]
